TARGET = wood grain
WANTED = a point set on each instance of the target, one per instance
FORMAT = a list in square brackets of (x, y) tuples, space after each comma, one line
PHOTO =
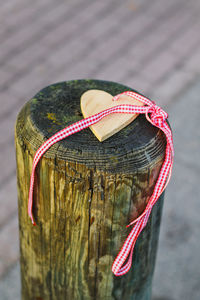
[(86, 192)]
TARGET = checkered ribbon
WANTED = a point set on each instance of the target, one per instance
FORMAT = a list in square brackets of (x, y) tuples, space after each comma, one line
[(157, 117)]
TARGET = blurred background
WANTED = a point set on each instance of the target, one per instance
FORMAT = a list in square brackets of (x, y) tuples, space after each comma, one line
[(152, 46)]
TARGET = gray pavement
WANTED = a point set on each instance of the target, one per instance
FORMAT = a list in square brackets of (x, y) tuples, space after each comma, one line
[(177, 273), (152, 46)]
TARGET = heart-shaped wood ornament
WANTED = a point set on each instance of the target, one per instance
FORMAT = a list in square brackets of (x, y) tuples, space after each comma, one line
[(94, 101)]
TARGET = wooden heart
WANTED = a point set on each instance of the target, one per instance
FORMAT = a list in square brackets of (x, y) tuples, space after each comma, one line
[(94, 101)]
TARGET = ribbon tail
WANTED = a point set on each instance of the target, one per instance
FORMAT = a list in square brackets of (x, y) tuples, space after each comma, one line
[(123, 270), (118, 267)]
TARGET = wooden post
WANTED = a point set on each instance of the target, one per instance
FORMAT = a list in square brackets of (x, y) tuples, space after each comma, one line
[(86, 192)]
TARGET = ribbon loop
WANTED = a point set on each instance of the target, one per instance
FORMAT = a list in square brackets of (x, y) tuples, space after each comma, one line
[(157, 115)]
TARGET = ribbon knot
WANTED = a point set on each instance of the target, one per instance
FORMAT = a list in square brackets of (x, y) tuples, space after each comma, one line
[(157, 115)]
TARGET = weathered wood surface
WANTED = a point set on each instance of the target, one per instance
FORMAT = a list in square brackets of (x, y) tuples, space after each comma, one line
[(85, 194)]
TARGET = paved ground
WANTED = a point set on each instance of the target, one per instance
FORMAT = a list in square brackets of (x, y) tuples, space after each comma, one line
[(153, 46)]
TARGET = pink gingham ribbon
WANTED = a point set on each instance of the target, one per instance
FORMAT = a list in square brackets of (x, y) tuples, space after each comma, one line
[(157, 117)]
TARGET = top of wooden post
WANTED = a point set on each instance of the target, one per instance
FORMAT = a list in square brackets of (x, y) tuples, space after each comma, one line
[(53, 108)]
